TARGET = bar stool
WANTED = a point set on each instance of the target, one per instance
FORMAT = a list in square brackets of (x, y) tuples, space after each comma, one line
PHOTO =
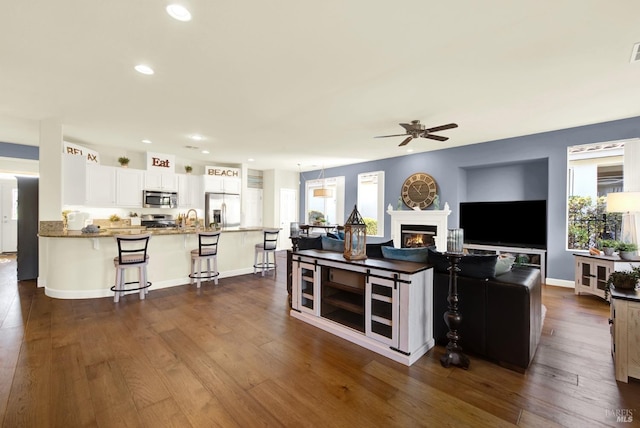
[(266, 247), (207, 250), (132, 253)]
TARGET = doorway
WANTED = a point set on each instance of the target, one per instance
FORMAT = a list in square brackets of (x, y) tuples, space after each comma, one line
[(288, 214), (9, 216)]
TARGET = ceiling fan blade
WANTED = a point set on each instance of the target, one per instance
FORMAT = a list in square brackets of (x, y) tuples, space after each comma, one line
[(435, 137), (406, 141), (385, 136), (441, 127)]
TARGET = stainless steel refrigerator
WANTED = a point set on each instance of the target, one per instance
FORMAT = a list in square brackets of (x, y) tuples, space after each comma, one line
[(223, 209)]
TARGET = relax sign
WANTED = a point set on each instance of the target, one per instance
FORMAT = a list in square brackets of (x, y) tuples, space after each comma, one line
[(73, 149)]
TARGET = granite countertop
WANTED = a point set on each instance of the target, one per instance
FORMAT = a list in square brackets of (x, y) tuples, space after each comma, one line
[(137, 230)]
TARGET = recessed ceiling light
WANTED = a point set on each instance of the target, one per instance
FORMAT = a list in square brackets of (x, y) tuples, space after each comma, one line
[(147, 141), (205, 152), (144, 69), (250, 159), (179, 12), (197, 137), (409, 150)]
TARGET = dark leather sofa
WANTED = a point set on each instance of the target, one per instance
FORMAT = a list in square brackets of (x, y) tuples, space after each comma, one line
[(501, 317)]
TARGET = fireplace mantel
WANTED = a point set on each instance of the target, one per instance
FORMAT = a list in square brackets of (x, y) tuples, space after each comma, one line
[(436, 218)]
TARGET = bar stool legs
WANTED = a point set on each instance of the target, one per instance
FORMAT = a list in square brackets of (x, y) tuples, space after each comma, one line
[(132, 253), (268, 245), (207, 250)]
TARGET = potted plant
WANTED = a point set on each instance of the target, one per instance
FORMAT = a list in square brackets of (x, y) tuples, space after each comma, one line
[(114, 219), (608, 246), (625, 280), (124, 161), (627, 250), (188, 169)]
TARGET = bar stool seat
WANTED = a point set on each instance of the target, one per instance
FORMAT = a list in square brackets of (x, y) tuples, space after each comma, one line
[(132, 253), (266, 247), (207, 250)]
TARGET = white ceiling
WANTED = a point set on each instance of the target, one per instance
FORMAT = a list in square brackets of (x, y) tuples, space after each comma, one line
[(306, 83)]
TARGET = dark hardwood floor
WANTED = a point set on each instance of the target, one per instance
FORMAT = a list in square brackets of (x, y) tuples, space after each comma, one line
[(231, 356)]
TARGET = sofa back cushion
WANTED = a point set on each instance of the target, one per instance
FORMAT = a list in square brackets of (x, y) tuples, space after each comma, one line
[(375, 250), (480, 266), (309, 243)]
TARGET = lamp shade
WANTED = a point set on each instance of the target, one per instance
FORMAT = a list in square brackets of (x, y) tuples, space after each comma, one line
[(622, 202), (322, 193)]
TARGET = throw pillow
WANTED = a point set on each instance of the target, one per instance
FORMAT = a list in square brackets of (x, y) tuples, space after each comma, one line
[(472, 265), (407, 254), (503, 264), (331, 244), (375, 250), (332, 235), (309, 243), (479, 266), (439, 261)]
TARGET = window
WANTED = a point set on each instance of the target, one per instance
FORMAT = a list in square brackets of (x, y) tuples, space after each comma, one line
[(325, 210), (594, 170), (371, 201)]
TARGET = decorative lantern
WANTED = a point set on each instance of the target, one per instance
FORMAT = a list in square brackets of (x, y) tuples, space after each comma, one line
[(355, 236)]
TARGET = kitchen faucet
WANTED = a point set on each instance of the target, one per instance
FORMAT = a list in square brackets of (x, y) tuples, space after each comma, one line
[(189, 213)]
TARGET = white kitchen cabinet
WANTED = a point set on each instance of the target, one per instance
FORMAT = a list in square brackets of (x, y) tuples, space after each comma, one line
[(222, 184), (100, 186), (190, 193), (129, 187), (165, 181), (74, 179)]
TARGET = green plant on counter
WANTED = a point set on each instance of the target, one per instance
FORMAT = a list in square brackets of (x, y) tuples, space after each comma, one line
[(625, 280), (188, 169), (114, 218), (608, 243), (123, 160), (626, 246)]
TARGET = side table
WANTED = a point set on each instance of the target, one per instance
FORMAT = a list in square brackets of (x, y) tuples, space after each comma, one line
[(453, 319), (625, 333)]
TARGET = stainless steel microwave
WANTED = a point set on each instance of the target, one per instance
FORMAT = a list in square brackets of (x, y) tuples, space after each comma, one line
[(158, 199)]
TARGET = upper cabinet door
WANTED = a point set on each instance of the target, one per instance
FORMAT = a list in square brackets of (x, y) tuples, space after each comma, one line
[(101, 186), (190, 194), (74, 179), (166, 181), (129, 187)]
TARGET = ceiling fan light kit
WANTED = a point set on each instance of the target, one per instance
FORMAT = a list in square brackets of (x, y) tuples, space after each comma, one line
[(416, 130)]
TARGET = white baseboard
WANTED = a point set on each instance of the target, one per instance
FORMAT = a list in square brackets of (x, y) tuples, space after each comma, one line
[(560, 283)]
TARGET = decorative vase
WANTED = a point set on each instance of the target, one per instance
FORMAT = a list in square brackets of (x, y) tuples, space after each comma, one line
[(627, 255), (608, 251)]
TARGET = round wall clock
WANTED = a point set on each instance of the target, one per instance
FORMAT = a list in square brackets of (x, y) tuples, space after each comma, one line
[(419, 190)]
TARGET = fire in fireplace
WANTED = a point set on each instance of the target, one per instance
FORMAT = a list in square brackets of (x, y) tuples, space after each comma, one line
[(418, 235)]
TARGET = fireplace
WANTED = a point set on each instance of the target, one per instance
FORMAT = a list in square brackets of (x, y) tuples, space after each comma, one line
[(430, 225), (418, 235)]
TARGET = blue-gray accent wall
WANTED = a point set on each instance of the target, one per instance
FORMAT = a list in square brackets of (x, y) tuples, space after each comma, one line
[(520, 168), (20, 151)]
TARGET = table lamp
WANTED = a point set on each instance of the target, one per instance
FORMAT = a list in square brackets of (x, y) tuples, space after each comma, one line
[(627, 203)]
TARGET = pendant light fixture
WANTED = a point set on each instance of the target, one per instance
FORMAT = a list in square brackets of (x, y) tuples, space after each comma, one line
[(323, 192)]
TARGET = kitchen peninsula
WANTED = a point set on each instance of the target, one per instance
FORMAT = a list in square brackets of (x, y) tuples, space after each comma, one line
[(76, 265)]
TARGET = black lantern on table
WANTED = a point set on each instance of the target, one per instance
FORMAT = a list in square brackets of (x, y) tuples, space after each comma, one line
[(355, 237)]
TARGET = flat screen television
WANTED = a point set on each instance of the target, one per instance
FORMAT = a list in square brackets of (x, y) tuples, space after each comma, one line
[(509, 223)]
